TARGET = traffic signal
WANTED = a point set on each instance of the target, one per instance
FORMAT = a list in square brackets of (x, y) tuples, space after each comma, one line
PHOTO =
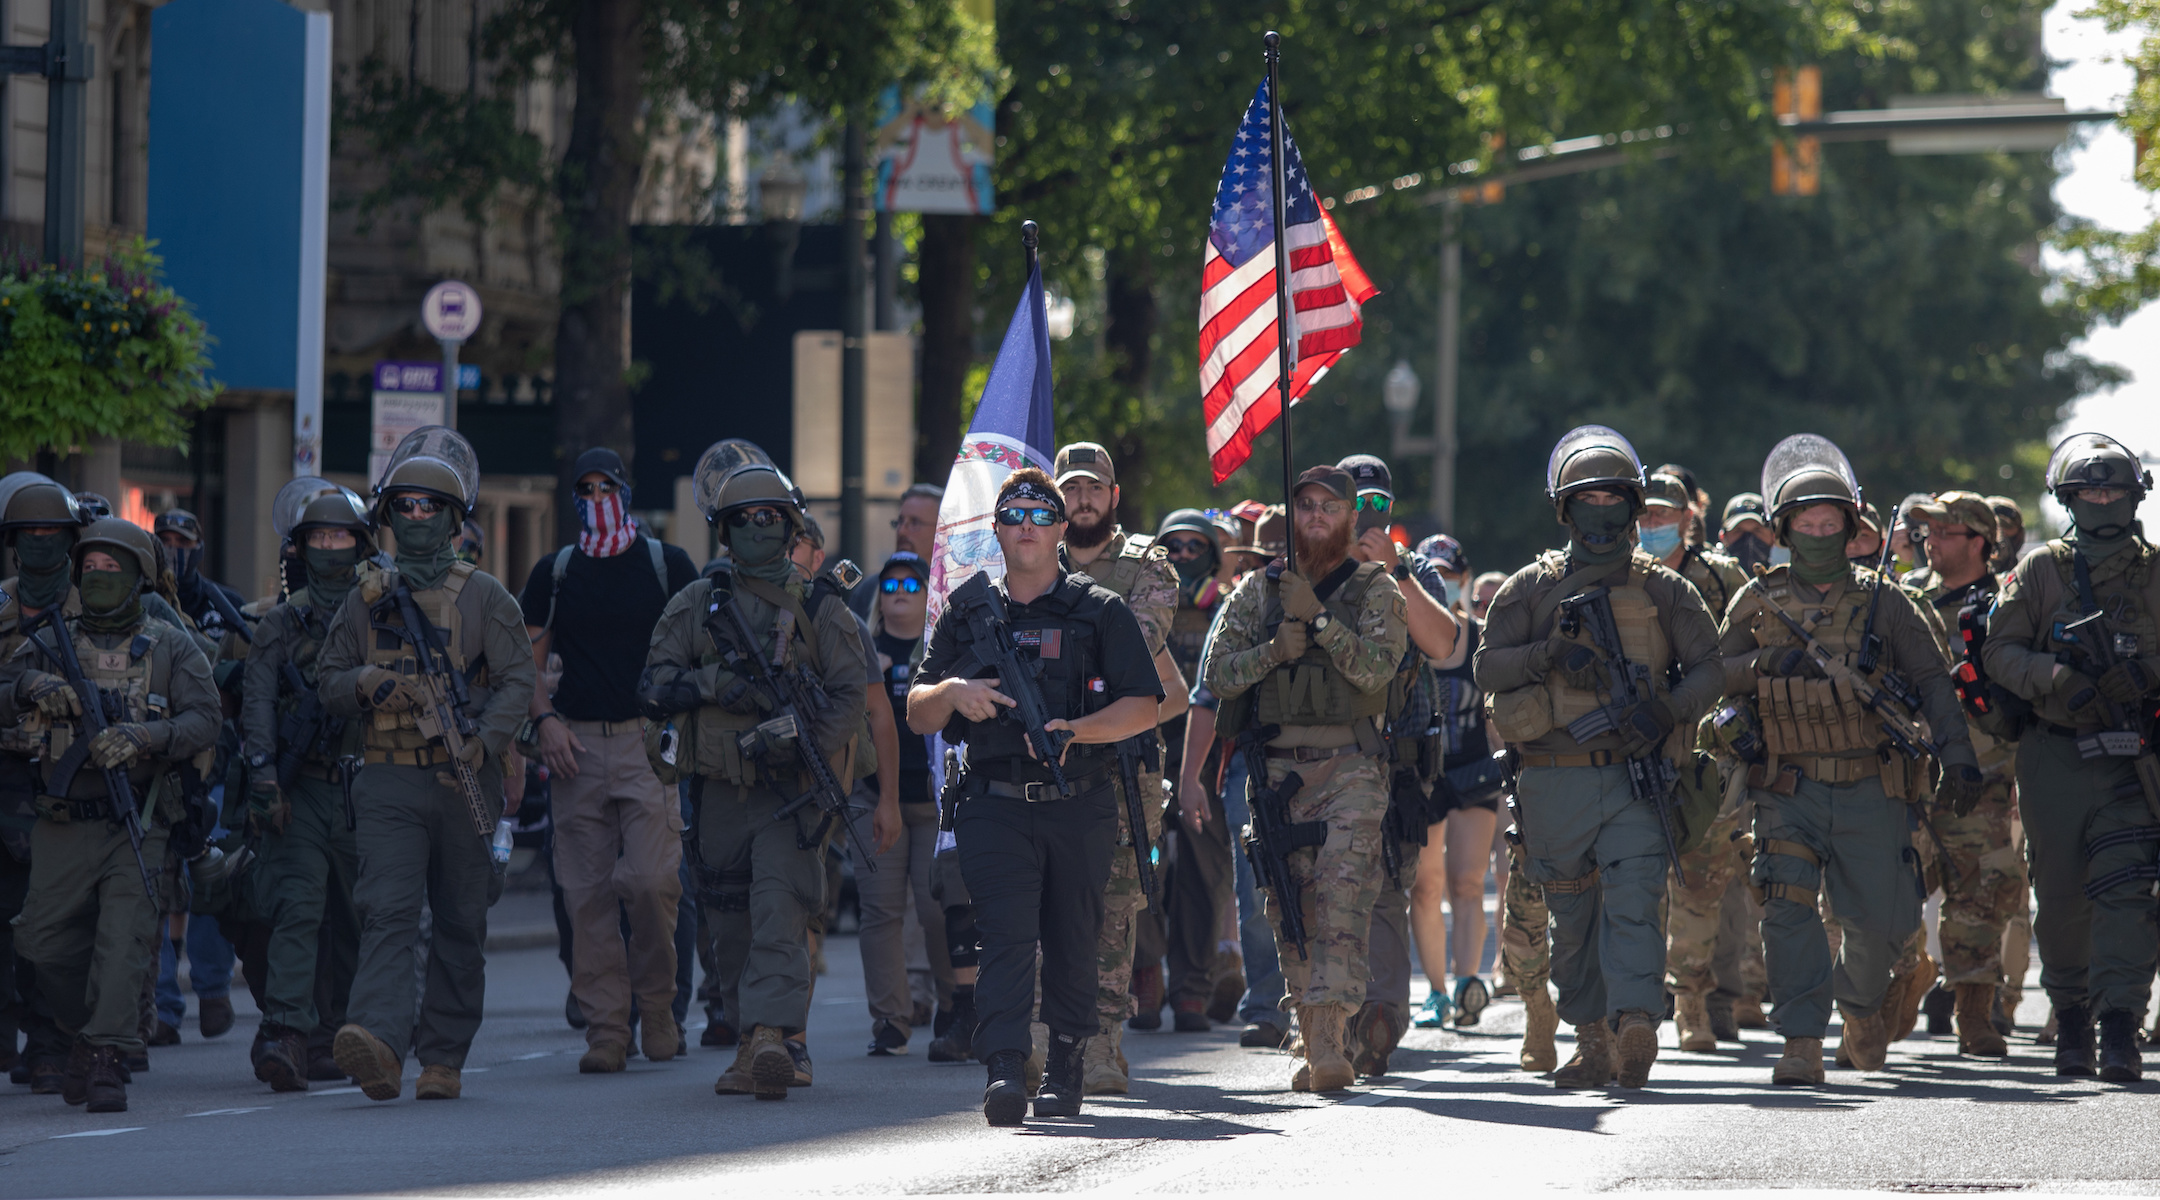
[(1797, 96)]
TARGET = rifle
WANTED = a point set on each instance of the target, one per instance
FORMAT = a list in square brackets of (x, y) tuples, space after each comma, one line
[(232, 617), (1129, 753), (99, 711), (1651, 776), (1871, 642), (445, 702), (2126, 737), (990, 646), (792, 697), (1271, 836), (307, 729)]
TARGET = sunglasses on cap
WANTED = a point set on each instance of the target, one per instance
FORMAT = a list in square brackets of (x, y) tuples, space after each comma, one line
[(1184, 547), (423, 506), (1015, 515), (908, 584), (760, 517), (605, 487), (1374, 501)]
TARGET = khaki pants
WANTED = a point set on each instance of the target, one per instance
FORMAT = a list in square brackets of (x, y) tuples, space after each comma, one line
[(618, 850)]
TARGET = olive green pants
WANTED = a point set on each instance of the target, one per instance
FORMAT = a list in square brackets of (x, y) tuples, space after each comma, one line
[(759, 887), (2093, 844), (306, 891), (89, 929), (1599, 856), (417, 843)]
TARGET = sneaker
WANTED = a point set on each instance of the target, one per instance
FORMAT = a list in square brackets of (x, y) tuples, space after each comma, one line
[(1435, 1013), (1471, 997), (887, 1038), (1263, 1035)]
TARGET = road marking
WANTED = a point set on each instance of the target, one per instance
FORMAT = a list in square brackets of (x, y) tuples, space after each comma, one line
[(98, 1132), (228, 1112), (475, 1070), (342, 1091), (538, 1054)]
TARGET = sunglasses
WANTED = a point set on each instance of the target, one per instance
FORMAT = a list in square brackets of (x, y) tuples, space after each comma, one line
[(408, 506), (1374, 502), (908, 584), (1040, 517), (760, 517), (1184, 547), (603, 488), (1333, 508)]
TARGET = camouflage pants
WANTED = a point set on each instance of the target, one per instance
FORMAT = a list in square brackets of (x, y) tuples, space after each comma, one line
[(1123, 902), (1989, 885), (1525, 929), (1691, 924), (1338, 882)]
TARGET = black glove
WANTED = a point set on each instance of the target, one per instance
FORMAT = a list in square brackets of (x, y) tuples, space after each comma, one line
[(663, 700), (1644, 726), (2081, 694), (2127, 682), (1960, 788), (1582, 666), (1787, 660)]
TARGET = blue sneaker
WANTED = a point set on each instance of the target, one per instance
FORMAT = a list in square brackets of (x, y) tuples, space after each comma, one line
[(1435, 1013), (1471, 997)]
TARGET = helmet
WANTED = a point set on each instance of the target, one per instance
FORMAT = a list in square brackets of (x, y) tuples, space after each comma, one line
[(294, 496), (1592, 456), (434, 460), (1806, 469), (180, 521), (734, 473), (123, 538), (28, 498), (93, 505), (2085, 460), (335, 508), (1192, 520)]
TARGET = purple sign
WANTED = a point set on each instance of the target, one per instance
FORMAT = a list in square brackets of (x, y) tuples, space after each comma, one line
[(422, 377)]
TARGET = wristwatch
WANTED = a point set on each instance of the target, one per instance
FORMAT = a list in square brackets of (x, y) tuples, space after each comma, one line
[(1402, 570), (258, 760), (1321, 622)]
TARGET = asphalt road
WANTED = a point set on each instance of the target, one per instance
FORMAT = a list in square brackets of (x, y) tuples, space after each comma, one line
[(1204, 1115)]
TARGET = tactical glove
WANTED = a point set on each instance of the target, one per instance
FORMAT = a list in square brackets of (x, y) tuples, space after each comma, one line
[(471, 752), (1644, 726), (1582, 666), (1786, 660), (1290, 642), (119, 745), (267, 806), (2127, 682), (1298, 598), (1960, 788), (50, 693), (387, 690), (663, 699), (2081, 694)]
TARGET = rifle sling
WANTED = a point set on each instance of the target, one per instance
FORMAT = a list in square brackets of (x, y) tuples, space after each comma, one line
[(781, 598)]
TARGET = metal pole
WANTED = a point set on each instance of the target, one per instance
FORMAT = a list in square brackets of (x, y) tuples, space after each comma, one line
[(1443, 474), (66, 100), (1285, 351), (449, 381), (852, 365)]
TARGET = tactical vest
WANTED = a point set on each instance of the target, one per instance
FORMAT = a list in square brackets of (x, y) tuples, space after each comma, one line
[(1815, 717), (711, 737), (133, 671), (1312, 690), (461, 633), (1067, 651), (304, 650), (1119, 572), (2124, 590), (27, 735), (1642, 640)]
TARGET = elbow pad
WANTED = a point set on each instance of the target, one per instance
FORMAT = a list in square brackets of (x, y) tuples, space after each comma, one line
[(660, 700)]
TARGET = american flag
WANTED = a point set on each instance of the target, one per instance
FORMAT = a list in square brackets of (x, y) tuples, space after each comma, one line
[(1240, 368)]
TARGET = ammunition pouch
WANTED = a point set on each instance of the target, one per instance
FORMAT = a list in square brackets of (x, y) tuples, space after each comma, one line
[(1522, 715)]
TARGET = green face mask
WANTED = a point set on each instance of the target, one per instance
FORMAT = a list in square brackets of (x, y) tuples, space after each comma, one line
[(42, 559), (758, 545), (1192, 572), (2103, 526), (330, 572), (1599, 531), (424, 552), (1818, 558), (106, 593)]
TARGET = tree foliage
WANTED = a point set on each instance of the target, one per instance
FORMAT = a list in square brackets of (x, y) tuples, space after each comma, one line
[(2119, 271)]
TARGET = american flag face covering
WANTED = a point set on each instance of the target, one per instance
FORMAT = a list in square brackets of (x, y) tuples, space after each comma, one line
[(607, 529)]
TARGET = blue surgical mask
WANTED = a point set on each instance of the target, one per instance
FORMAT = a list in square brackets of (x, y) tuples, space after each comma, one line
[(1779, 556), (1658, 540), (1453, 589)]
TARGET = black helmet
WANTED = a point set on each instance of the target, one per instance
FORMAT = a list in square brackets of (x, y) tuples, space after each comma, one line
[(30, 499), (2089, 460), (1591, 457)]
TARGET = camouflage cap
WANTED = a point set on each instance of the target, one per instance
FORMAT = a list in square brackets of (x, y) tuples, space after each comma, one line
[(1084, 458), (1969, 509), (1667, 491)]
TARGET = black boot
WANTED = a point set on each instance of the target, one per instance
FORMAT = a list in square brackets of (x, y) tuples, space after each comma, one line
[(1059, 1095), (2120, 1059), (1938, 1006), (1005, 1096), (1723, 1026), (956, 1042), (280, 1057), (75, 1086), (2073, 1040), (106, 1090)]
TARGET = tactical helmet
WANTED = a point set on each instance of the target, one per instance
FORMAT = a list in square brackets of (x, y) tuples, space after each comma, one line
[(180, 521), (1803, 470), (736, 473), (123, 538), (436, 461), (337, 508), (30, 499), (1192, 520), (1591, 457), (292, 498), (93, 505), (2087, 460)]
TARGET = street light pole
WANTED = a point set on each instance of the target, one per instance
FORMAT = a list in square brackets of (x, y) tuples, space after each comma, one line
[(1448, 352), (853, 367)]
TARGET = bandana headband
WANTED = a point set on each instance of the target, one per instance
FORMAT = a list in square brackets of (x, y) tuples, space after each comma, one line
[(1028, 489)]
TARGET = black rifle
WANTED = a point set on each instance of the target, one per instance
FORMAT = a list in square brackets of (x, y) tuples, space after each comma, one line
[(307, 729), (232, 617), (100, 710), (990, 647), (1271, 836), (2126, 735), (445, 703), (1871, 642), (793, 698), (1651, 776), (1129, 753)]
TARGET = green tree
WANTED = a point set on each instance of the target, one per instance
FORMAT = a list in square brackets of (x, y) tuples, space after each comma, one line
[(2120, 270)]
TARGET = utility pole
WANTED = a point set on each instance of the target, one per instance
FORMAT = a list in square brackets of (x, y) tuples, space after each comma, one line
[(1443, 472), (853, 339), (65, 60)]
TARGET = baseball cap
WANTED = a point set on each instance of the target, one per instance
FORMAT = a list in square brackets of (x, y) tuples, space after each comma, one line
[(1969, 509), (907, 560), (1445, 553), (2007, 511), (1368, 473), (1334, 479), (1666, 491), (1084, 458), (1745, 506), (603, 460)]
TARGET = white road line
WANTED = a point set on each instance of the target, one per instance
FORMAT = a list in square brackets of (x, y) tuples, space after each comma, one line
[(228, 1112), (338, 1091), (97, 1133)]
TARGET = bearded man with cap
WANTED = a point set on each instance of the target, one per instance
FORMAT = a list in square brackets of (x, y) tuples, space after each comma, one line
[(1832, 789), (1305, 657), (1596, 848), (87, 924), (422, 837), (2074, 632)]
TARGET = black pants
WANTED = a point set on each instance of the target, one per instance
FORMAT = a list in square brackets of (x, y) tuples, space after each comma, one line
[(1199, 889), (1036, 874)]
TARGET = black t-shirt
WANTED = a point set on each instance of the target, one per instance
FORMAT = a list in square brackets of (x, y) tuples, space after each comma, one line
[(603, 624)]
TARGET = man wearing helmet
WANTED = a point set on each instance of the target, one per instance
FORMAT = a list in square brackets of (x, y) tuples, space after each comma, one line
[(2073, 632), (296, 806), (1597, 850), (87, 925), (418, 833), (1830, 785), (758, 878)]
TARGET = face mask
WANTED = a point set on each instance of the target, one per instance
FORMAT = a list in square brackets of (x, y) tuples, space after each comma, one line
[(1749, 551), (423, 546), (43, 562), (104, 593), (1818, 558), (186, 562), (330, 572), (1192, 572), (2103, 523), (758, 545), (1597, 529), (1658, 540), (1454, 591)]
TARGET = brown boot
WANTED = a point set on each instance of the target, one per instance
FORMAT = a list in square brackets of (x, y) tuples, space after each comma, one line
[(1801, 1064), (1592, 1066), (1900, 1011), (368, 1061), (1147, 992), (772, 1068), (660, 1037), (1865, 1042), (1747, 1013), (1974, 1014), (1540, 1021), (1323, 1025), (736, 1081), (602, 1058), (1637, 1047), (1691, 1013), (439, 1082)]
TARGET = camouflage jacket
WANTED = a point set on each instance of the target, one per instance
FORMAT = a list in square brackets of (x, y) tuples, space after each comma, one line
[(1139, 572), (1368, 656)]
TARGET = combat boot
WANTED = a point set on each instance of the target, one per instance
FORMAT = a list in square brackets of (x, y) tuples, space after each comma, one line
[(1369, 1038), (1592, 1066), (1974, 1010), (1801, 1064), (322, 1064), (1322, 1025), (2074, 1040), (1940, 1008), (736, 1081), (75, 1084), (105, 1089), (1900, 1011), (369, 1062), (1061, 1086), (215, 1017), (1540, 1021), (954, 1043), (1864, 1043), (660, 1037), (602, 1058), (439, 1081), (279, 1056), (1636, 1047), (1004, 1099), (48, 1075), (1723, 1027), (772, 1068), (2120, 1059), (1691, 1014), (1102, 1074), (1748, 1014), (1147, 991)]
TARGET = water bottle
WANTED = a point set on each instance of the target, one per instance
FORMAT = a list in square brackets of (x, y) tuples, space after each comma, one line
[(500, 847)]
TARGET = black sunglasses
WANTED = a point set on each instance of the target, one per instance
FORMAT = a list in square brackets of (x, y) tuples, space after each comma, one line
[(910, 585), (1184, 547), (760, 517), (426, 506), (1042, 517)]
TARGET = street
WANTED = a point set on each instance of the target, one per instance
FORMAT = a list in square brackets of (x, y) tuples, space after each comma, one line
[(1204, 1115)]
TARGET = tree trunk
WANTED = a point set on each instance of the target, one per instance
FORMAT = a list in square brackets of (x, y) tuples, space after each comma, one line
[(1129, 336), (946, 287), (598, 182)]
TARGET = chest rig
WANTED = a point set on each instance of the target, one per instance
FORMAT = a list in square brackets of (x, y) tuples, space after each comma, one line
[(132, 673), (1815, 717), (2118, 588), (1642, 640), (440, 606), (1056, 640), (1312, 690), (787, 638), (27, 736)]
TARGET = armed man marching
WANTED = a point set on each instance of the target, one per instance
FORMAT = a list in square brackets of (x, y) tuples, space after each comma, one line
[(430, 656), (1598, 660)]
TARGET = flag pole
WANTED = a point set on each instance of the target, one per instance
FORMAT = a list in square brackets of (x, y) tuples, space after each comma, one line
[(1285, 360), (1029, 236)]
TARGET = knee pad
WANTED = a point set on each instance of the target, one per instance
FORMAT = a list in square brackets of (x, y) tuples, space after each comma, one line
[(964, 944)]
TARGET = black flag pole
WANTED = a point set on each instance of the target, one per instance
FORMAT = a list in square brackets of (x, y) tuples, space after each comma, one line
[(1029, 237), (1285, 361)]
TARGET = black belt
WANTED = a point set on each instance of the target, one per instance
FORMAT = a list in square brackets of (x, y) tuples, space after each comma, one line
[(2062, 731), (1044, 791)]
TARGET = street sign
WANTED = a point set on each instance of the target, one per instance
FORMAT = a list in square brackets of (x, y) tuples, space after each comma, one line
[(422, 377), (451, 311), (395, 414)]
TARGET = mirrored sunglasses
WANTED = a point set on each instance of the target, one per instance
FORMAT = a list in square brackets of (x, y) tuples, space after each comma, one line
[(1041, 517), (904, 583), (424, 506), (760, 517)]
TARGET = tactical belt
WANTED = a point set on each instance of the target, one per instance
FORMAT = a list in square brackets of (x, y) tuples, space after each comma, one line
[(1306, 754), (2061, 731), (1596, 758), (54, 808), (425, 756), (1571, 887), (605, 728), (1834, 771), (1042, 792), (1797, 850)]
